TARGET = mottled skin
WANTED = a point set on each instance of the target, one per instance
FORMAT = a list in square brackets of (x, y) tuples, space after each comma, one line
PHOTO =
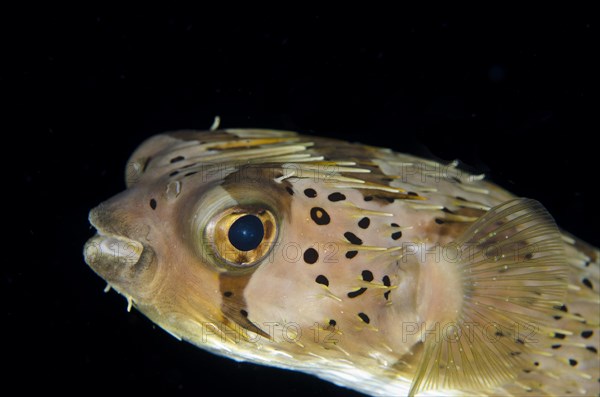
[(339, 290)]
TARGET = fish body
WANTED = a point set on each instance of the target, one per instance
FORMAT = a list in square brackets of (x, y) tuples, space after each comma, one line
[(378, 271)]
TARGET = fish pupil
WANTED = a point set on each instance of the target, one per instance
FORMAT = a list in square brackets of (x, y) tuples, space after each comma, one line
[(246, 233)]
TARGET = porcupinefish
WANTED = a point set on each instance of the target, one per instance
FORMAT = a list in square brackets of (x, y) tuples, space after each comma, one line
[(378, 271)]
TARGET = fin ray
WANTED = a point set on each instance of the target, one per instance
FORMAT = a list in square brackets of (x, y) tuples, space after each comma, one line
[(513, 271)]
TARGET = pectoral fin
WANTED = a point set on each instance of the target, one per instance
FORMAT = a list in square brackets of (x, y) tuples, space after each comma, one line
[(513, 272)]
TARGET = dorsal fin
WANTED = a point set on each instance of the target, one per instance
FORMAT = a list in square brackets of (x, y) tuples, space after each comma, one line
[(513, 272)]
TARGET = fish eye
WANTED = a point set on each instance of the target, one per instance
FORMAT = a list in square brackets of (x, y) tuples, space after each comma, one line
[(246, 233), (241, 237)]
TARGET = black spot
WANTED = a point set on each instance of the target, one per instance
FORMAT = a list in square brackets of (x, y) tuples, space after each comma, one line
[(332, 322), (447, 211), (558, 335), (356, 293), (499, 334), (368, 198), (528, 256), (352, 238), (395, 225), (572, 362), (557, 317), (557, 346), (439, 221), (322, 280), (536, 364), (387, 179), (337, 196), (562, 308), (587, 283), (386, 295), (515, 353), (367, 275), (244, 313), (289, 190), (586, 334), (174, 173), (461, 198), (396, 235), (364, 317), (351, 254), (520, 341), (227, 294), (310, 193), (592, 349), (320, 216), (153, 204), (386, 281), (176, 159), (412, 194), (191, 173), (311, 256), (364, 223)]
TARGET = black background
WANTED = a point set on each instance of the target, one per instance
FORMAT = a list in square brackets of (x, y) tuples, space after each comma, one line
[(514, 98)]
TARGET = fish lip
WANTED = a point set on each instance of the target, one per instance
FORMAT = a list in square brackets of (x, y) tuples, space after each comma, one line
[(104, 248), (108, 249)]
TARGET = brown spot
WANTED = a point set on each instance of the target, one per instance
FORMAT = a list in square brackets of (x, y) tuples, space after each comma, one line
[(311, 256), (311, 193), (356, 293), (337, 196), (367, 275), (364, 223), (320, 216), (321, 279), (364, 317), (454, 229), (386, 198), (233, 308), (352, 238), (587, 283)]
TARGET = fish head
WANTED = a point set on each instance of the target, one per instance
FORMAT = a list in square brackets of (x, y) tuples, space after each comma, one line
[(219, 235)]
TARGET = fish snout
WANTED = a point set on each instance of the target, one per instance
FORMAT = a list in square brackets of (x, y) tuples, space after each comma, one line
[(112, 255)]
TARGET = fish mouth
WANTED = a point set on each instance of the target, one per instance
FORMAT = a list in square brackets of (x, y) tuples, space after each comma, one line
[(111, 255), (112, 248)]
